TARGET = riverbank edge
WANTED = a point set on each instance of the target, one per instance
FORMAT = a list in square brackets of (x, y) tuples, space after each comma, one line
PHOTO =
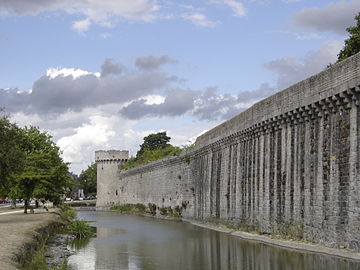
[(287, 244), (282, 243), (40, 234)]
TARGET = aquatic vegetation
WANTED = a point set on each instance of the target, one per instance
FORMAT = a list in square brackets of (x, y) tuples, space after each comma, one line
[(81, 229)]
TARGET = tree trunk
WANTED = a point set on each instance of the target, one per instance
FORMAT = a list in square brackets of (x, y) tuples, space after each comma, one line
[(25, 206), (36, 204)]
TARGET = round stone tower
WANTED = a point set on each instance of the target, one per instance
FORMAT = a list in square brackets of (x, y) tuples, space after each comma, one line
[(108, 167)]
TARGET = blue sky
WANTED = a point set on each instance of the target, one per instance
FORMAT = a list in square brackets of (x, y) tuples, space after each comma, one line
[(102, 74)]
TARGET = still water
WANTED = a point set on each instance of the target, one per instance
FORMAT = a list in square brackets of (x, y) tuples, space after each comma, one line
[(126, 242)]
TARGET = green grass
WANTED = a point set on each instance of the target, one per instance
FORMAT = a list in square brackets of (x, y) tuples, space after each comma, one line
[(81, 229), (290, 230)]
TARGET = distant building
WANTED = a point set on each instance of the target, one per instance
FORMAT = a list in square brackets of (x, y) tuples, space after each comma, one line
[(76, 190)]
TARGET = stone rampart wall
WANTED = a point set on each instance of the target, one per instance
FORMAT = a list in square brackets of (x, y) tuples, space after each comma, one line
[(165, 183), (290, 161)]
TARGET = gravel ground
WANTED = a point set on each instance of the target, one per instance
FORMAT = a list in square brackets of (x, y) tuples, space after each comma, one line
[(57, 249), (18, 233)]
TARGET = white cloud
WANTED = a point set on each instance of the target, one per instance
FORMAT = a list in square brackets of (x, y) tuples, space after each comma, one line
[(335, 17), (94, 134), (52, 73), (69, 89), (82, 25), (237, 7), (101, 12), (199, 19), (86, 111), (291, 70), (154, 99)]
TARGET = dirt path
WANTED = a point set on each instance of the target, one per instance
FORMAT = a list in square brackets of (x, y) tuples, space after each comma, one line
[(18, 230), (11, 212)]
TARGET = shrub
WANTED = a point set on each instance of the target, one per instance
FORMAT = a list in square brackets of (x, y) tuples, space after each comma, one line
[(152, 208), (80, 229), (178, 210), (68, 215), (163, 211), (140, 207), (151, 155), (184, 204)]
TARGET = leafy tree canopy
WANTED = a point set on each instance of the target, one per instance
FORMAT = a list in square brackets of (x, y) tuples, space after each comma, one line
[(45, 175), (155, 146), (154, 141), (352, 44), (87, 179), (12, 157)]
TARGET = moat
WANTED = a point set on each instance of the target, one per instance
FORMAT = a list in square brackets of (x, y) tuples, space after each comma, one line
[(131, 242)]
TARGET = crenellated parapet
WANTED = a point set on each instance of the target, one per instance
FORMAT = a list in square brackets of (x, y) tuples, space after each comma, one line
[(111, 156), (328, 91), (337, 103)]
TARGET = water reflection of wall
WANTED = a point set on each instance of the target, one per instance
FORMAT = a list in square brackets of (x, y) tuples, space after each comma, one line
[(200, 249)]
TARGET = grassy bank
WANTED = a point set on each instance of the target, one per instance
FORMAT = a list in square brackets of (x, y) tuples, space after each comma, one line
[(37, 260), (25, 235), (150, 209), (21, 234), (69, 225)]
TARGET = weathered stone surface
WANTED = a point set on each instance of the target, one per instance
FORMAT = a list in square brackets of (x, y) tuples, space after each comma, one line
[(292, 158)]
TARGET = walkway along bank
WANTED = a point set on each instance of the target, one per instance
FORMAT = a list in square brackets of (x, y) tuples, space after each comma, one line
[(292, 159)]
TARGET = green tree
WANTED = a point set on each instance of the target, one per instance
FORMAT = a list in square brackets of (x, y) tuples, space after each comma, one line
[(155, 146), (11, 155), (154, 141), (45, 175), (352, 44), (87, 179)]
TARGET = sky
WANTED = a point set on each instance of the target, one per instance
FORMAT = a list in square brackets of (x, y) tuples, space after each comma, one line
[(103, 74)]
